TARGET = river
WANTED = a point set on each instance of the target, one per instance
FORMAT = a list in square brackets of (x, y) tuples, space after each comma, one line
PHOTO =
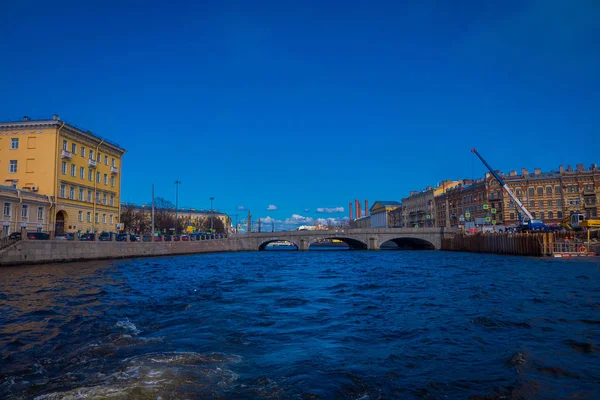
[(302, 325)]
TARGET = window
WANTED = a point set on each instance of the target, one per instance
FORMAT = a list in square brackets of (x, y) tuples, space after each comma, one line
[(98, 177), (112, 199), (99, 157), (103, 218), (533, 214), (112, 181), (97, 197), (559, 214), (104, 199), (549, 203), (531, 192), (511, 204), (90, 175), (540, 191), (73, 148), (558, 203), (91, 154), (82, 151), (97, 219), (89, 217), (63, 191), (531, 203), (576, 188), (89, 196), (519, 192), (541, 204), (105, 160), (111, 219), (63, 168), (548, 189), (12, 168), (80, 216), (7, 209), (550, 214), (65, 145), (73, 170), (512, 216), (594, 212), (14, 143), (80, 194), (105, 179), (541, 215), (556, 189), (82, 172), (112, 162), (24, 211), (40, 212), (72, 193)]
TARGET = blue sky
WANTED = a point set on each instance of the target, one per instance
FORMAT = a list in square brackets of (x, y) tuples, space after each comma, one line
[(309, 104)]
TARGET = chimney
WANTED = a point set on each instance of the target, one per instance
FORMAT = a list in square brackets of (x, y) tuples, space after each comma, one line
[(366, 207), (580, 167), (358, 209), (569, 168), (593, 167), (351, 216), (513, 173), (537, 171), (561, 169), (524, 171), (26, 118), (55, 117)]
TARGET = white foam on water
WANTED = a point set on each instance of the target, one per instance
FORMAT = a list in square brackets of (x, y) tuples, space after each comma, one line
[(127, 324)]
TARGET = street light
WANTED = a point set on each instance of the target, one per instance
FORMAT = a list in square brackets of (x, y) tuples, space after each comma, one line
[(211, 213), (177, 183)]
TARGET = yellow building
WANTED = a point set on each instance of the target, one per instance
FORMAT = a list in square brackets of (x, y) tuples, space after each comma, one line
[(79, 171)]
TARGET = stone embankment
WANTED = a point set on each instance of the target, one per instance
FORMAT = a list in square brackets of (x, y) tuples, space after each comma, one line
[(47, 251)]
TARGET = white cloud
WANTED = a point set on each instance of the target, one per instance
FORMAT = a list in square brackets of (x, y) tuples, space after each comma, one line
[(330, 210), (306, 210), (241, 208), (269, 220), (271, 207), (296, 219), (331, 221)]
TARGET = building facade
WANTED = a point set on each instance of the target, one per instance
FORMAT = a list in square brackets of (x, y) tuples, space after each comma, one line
[(186, 216), (380, 213), (24, 209), (419, 208), (80, 171)]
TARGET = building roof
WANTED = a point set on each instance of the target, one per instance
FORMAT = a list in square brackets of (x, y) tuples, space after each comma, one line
[(387, 203), (27, 193), (39, 123)]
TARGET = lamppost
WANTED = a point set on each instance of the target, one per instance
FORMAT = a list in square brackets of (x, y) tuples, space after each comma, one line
[(211, 213), (177, 183)]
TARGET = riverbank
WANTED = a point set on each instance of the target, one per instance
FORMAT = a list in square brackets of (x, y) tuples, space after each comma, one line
[(51, 251)]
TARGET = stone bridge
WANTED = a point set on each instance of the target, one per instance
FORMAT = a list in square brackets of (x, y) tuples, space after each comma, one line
[(356, 239)]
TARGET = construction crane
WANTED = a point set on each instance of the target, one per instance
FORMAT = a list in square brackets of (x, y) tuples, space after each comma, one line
[(532, 224), (578, 221)]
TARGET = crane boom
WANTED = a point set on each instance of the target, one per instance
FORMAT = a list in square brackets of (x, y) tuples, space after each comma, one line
[(504, 185)]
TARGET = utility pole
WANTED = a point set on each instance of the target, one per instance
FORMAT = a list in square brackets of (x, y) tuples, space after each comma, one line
[(236, 223), (153, 212), (249, 223), (272, 226), (259, 225), (211, 213), (177, 183)]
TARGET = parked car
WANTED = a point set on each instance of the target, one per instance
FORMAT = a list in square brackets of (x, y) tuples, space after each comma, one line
[(158, 238), (15, 236), (64, 236), (105, 236), (168, 238), (147, 238), (88, 237), (37, 236), (121, 237), (185, 238), (176, 238)]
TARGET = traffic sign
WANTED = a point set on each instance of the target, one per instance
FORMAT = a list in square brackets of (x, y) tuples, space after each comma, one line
[(487, 219), (494, 221), (485, 206), (493, 211), (468, 215), (428, 216)]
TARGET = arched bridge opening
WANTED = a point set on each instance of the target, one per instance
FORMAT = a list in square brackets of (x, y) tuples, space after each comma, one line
[(407, 244), (278, 245), (341, 243)]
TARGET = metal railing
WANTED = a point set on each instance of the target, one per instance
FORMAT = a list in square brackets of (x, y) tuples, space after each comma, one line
[(7, 242)]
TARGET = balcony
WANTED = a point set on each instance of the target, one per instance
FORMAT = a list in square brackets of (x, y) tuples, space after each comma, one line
[(92, 163), (589, 192), (114, 170), (65, 154)]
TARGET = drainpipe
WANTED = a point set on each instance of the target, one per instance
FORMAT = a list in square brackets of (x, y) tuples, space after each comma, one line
[(17, 229), (95, 188), (51, 204), (53, 218)]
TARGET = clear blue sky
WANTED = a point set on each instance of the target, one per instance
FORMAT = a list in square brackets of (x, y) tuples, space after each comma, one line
[(310, 104)]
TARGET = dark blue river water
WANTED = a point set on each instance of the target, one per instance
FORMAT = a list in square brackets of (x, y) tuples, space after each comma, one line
[(310, 325)]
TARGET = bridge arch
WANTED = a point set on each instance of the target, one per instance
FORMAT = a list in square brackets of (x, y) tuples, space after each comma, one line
[(353, 244), (267, 242), (408, 243)]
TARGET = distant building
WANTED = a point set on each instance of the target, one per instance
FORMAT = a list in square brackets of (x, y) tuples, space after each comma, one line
[(24, 209), (380, 213), (359, 223), (419, 208)]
